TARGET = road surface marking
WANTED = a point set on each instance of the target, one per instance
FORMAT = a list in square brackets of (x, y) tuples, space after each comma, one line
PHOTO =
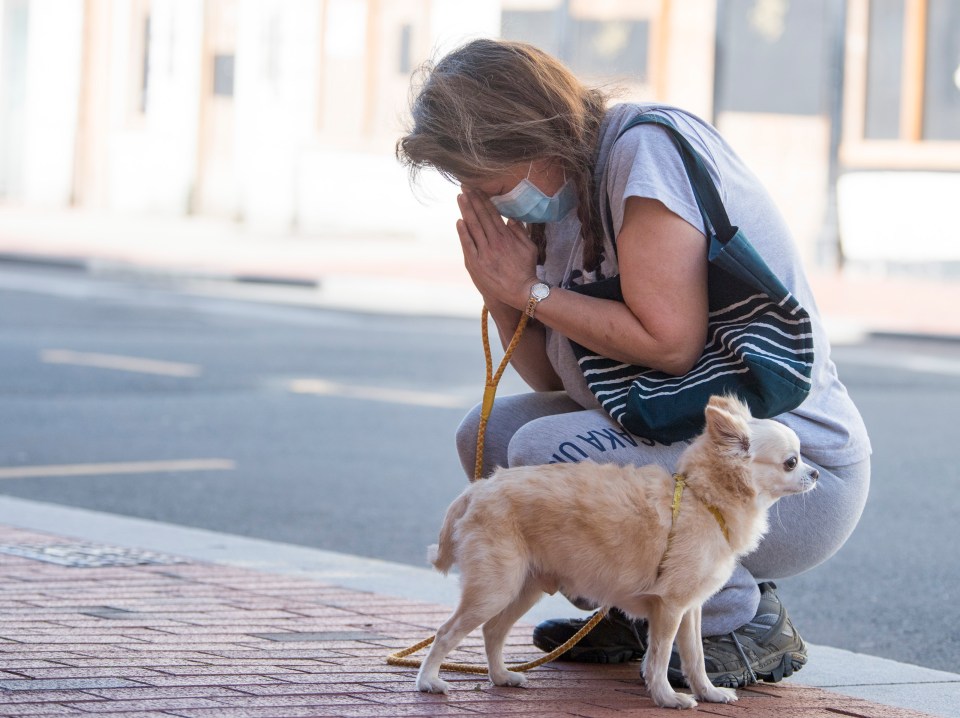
[(323, 387), (130, 467), (917, 363), (121, 363)]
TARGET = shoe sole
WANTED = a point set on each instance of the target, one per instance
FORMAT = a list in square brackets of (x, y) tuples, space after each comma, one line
[(788, 664), (782, 667)]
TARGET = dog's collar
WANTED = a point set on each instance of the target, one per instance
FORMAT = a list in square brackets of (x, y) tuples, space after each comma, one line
[(680, 482)]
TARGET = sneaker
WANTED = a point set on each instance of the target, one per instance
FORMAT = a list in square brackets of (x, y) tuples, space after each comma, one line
[(615, 639), (768, 648)]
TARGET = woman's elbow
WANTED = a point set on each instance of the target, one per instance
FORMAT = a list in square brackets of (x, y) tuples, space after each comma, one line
[(681, 357), (678, 366)]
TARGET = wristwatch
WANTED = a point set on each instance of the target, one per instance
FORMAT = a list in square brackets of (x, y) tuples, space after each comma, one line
[(538, 292)]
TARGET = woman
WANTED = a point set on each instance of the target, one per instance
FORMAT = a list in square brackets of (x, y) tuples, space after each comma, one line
[(529, 143)]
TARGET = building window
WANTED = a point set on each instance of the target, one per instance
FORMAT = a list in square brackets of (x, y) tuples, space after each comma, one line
[(223, 75), (761, 43), (145, 73), (610, 47), (941, 98), (138, 77), (606, 40), (405, 64), (884, 69), (902, 95)]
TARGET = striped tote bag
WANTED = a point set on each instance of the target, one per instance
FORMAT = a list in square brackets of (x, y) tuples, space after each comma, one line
[(759, 339)]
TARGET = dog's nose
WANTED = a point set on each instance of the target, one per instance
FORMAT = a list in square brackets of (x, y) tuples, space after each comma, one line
[(814, 474)]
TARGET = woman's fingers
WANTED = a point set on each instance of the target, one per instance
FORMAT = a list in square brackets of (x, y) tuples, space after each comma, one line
[(498, 254), (472, 223), (519, 230), (485, 223), (466, 239), (488, 218)]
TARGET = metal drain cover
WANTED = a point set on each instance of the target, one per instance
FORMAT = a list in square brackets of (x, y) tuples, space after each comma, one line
[(81, 555)]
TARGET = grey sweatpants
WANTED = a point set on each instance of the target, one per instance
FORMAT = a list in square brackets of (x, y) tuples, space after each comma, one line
[(805, 530)]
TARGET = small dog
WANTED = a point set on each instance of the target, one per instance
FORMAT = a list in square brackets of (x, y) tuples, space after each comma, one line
[(653, 545)]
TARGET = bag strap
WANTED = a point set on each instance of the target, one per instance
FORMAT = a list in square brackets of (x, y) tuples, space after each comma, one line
[(715, 219)]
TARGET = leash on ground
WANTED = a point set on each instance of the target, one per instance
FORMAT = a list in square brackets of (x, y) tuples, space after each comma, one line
[(489, 393)]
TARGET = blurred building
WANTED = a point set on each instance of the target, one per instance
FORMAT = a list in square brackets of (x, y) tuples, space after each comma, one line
[(283, 114)]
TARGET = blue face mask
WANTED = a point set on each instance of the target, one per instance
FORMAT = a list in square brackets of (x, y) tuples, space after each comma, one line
[(527, 203)]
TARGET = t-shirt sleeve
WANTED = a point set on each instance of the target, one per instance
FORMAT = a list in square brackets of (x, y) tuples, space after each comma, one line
[(645, 162)]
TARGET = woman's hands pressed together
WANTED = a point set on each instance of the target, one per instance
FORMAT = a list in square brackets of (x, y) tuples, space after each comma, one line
[(499, 255)]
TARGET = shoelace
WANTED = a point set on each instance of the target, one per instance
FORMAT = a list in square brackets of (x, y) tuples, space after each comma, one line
[(746, 661)]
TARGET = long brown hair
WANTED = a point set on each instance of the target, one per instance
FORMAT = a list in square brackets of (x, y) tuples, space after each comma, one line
[(492, 104)]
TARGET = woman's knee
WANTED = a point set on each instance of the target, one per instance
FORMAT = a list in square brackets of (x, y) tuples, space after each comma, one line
[(510, 414), (466, 438)]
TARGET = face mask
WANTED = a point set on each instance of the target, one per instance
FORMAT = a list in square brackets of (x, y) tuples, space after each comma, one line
[(527, 203)]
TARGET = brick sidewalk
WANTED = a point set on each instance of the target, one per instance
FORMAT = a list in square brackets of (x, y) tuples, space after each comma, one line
[(99, 633)]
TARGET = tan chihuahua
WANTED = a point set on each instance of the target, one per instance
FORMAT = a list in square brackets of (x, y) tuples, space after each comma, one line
[(655, 546)]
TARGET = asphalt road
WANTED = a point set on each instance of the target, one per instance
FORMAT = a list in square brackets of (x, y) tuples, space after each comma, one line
[(335, 430)]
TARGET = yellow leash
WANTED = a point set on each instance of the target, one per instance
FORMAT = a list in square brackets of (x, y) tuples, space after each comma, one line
[(489, 393), (490, 389), (399, 658)]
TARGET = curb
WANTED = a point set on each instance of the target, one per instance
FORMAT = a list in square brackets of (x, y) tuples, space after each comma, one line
[(44, 261), (117, 268)]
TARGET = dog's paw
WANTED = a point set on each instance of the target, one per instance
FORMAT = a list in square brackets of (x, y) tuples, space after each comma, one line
[(672, 699), (509, 678), (432, 685), (717, 695)]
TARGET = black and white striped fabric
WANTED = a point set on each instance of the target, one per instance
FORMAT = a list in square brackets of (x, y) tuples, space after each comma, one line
[(759, 339)]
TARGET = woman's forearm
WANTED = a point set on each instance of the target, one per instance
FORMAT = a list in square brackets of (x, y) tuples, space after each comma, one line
[(610, 329), (530, 355)]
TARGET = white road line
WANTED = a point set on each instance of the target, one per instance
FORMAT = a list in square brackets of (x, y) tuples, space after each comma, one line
[(130, 467), (121, 363), (918, 363), (323, 387)]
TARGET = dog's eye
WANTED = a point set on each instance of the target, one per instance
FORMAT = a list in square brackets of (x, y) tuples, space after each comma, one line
[(790, 464)]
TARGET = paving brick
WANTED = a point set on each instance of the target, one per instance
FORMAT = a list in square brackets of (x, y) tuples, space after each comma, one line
[(104, 662), (231, 680), (54, 684), (392, 676), (98, 672), (152, 704), (150, 692), (396, 711), (37, 709), (294, 689), (269, 712), (8, 697), (291, 652), (303, 699), (258, 660), (231, 670)]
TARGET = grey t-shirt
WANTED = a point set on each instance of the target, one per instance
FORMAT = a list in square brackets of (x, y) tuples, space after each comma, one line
[(645, 163)]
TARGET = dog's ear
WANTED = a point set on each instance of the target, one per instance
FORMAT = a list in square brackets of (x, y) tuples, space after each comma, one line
[(731, 403), (727, 429)]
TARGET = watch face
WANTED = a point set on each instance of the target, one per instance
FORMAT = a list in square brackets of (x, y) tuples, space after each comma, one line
[(540, 291)]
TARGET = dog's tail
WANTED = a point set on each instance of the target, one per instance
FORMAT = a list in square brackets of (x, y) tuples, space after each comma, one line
[(442, 555)]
